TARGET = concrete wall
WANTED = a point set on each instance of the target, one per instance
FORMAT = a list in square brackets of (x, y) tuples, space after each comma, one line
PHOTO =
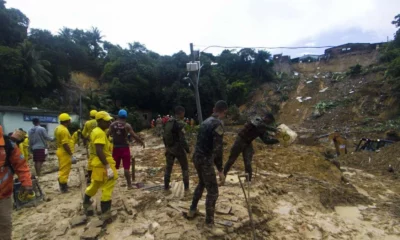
[(14, 120)]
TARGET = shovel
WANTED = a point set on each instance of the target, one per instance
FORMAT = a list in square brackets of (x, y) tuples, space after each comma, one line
[(247, 198)]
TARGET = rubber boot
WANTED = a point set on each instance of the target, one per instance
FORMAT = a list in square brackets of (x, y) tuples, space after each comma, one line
[(64, 188), (128, 178), (192, 213), (105, 210), (185, 175), (87, 206), (89, 179), (167, 179)]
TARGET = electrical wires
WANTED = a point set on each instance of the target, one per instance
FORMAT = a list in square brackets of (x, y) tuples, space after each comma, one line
[(232, 47)]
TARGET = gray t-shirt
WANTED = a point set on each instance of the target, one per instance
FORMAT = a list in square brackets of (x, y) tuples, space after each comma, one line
[(38, 137)]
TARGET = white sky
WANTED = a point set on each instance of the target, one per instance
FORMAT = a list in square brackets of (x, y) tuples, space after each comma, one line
[(167, 26)]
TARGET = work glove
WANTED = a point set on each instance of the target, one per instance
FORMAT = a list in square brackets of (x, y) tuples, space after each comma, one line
[(110, 172), (221, 178), (26, 194), (73, 160)]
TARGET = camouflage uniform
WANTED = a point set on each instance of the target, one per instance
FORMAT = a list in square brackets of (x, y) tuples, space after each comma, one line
[(176, 147), (207, 153), (243, 144)]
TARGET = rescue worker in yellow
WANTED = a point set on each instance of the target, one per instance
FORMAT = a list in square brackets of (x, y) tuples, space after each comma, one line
[(104, 173), (87, 129), (76, 136), (64, 151), (24, 146)]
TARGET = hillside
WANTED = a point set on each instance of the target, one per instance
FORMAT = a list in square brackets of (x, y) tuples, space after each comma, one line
[(322, 96)]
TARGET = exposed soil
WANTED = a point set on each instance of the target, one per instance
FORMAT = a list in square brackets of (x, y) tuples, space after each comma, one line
[(288, 201)]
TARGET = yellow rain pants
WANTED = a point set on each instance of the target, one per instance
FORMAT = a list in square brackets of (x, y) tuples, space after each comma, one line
[(64, 162), (100, 180)]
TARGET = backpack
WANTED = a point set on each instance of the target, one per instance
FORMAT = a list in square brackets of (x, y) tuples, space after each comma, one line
[(171, 133), (9, 149)]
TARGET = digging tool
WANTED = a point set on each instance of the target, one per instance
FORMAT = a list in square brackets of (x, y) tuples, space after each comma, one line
[(247, 198), (133, 163)]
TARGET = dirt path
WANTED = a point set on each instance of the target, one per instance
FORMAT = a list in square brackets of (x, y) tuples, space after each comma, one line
[(287, 202)]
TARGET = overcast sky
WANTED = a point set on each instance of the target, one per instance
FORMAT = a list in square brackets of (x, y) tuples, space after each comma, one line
[(168, 26)]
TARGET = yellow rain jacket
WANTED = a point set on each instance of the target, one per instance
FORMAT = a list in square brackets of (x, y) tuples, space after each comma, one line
[(63, 136), (99, 172)]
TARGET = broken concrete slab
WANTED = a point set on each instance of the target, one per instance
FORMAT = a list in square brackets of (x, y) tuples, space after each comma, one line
[(127, 208), (62, 230), (95, 223), (78, 220), (140, 229), (223, 209), (91, 234), (173, 236)]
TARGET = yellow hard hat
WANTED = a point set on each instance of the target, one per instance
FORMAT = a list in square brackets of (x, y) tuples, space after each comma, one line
[(93, 113), (64, 117), (103, 115)]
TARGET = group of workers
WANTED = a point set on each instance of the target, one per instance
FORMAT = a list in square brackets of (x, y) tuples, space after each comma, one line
[(208, 152), (104, 159), (160, 123), (108, 146)]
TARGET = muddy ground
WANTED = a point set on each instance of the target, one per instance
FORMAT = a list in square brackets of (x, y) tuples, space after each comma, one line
[(296, 194)]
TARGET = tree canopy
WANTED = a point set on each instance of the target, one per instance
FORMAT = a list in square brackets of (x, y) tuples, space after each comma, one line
[(36, 69)]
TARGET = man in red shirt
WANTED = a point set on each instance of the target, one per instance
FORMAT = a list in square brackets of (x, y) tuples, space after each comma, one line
[(11, 161), (119, 130)]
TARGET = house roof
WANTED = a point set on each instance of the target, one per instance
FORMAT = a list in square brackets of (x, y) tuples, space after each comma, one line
[(26, 110)]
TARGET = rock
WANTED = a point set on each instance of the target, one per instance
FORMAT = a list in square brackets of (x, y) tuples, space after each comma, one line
[(78, 220), (173, 236), (153, 227), (139, 229), (310, 227), (62, 230), (316, 114), (149, 236), (95, 223), (91, 234)]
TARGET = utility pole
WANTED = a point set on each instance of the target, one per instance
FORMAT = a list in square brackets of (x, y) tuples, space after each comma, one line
[(196, 85), (80, 110)]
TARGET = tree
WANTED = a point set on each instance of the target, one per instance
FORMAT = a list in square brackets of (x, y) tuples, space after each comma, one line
[(396, 22), (13, 27), (35, 72)]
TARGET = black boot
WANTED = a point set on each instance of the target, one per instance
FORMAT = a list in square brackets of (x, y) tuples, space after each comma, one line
[(185, 175), (167, 179), (89, 179), (63, 187), (105, 210), (87, 206)]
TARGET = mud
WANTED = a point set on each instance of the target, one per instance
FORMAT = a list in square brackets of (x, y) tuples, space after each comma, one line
[(377, 162), (296, 194)]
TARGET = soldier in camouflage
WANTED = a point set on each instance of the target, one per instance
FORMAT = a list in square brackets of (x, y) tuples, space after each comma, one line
[(176, 147), (257, 127), (208, 152)]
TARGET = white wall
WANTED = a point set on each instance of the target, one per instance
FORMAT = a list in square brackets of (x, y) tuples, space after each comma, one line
[(15, 120)]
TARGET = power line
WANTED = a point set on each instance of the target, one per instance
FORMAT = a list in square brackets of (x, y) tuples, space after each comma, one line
[(230, 47)]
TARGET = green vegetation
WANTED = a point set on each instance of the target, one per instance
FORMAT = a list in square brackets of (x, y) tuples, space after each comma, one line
[(324, 106), (382, 126), (354, 70), (391, 59), (35, 70)]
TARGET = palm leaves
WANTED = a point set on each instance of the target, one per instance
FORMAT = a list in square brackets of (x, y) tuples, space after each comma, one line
[(35, 73)]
